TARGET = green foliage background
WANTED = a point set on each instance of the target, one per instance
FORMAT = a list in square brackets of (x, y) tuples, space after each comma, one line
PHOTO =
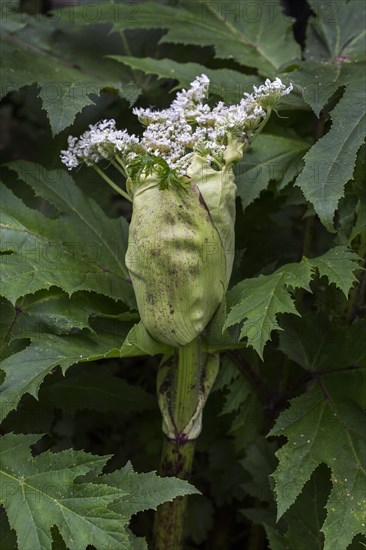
[(280, 463)]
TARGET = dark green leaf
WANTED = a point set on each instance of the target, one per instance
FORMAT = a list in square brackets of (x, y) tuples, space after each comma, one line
[(306, 516), (80, 250), (337, 30), (270, 158), (249, 32), (95, 388), (330, 163), (259, 300), (41, 493), (145, 491), (225, 83), (65, 87), (8, 539), (276, 540), (26, 369), (326, 425), (316, 345)]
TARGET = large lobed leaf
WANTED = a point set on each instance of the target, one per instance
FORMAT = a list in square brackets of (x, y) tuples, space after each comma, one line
[(326, 425), (40, 492), (54, 312), (320, 347), (145, 491), (259, 300), (305, 516), (330, 163), (251, 33), (94, 387), (335, 50), (317, 345), (26, 369), (106, 337), (334, 57), (33, 55), (225, 83), (337, 29), (80, 250), (43, 491)]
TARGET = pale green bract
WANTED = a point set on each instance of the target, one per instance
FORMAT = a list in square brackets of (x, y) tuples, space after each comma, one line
[(176, 261), (181, 248), (219, 192)]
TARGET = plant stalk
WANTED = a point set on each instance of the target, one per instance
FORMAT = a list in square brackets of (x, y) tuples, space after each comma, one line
[(176, 461), (183, 387)]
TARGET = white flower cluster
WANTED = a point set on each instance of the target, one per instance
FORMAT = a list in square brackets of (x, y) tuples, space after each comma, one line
[(269, 93), (101, 141), (174, 134)]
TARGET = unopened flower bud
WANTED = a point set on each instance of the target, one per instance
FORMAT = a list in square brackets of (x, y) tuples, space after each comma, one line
[(176, 261)]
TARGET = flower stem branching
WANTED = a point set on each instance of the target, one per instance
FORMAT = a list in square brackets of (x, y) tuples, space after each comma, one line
[(111, 183), (118, 167)]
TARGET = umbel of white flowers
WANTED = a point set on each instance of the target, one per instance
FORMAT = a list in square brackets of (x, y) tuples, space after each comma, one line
[(180, 178), (189, 125)]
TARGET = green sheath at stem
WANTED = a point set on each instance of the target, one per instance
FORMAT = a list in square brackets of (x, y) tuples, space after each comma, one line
[(183, 388)]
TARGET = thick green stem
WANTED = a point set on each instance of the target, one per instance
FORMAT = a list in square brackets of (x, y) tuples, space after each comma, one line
[(183, 387), (176, 461)]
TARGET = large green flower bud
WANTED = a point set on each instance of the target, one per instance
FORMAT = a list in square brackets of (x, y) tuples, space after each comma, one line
[(176, 261)]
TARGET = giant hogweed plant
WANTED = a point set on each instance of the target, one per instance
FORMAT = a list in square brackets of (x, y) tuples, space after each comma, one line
[(266, 315), (180, 253)]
